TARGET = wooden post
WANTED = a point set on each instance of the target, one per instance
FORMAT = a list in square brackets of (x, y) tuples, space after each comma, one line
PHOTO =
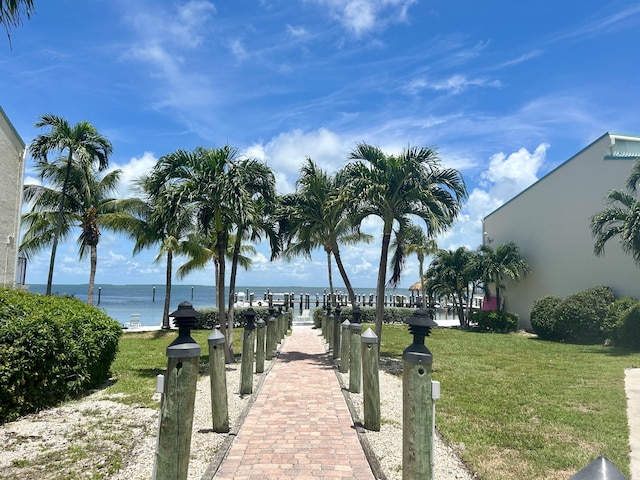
[(417, 401), (370, 381), (336, 334), (176, 417), (355, 360), (260, 347), (324, 317), (271, 335), (346, 347), (246, 368), (218, 378), (330, 318)]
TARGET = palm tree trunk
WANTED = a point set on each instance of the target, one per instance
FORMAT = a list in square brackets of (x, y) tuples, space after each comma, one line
[(422, 288), (332, 300), (232, 286), (220, 247), (167, 293), (54, 246), (345, 278), (92, 273), (382, 274)]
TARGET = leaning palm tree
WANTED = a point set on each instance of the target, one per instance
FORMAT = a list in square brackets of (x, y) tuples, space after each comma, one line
[(88, 207), (620, 218), (314, 216), (395, 188), (82, 143)]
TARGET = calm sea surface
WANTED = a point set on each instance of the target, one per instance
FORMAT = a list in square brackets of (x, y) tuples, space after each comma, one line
[(120, 301)]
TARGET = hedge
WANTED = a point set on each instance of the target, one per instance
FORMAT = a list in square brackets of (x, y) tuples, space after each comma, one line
[(51, 349), (492, 321)]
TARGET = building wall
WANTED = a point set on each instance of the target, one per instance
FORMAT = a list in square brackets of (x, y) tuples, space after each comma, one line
[(12, 151), (550, 221)]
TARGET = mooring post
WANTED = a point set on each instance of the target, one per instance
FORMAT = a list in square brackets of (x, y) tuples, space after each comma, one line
[(325, 318), (218, 379), (345, 343), (271, 334), (370, 381), (417, 401), (337, 322), (355, 360), (330, 318), (176, 415), (260, 347), (246, 368)]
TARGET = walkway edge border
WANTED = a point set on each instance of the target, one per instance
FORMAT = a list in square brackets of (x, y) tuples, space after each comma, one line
[(222, 452), (359, 428)]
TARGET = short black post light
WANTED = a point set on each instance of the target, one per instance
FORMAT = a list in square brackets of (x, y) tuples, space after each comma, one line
[(417, 401), (176, 415), (271, 334), (337, 337), (248, 340)]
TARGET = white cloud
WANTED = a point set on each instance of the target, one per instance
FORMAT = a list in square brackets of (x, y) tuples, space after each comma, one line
[(365, 16), (454, 84), (132, 170), (297, 32)]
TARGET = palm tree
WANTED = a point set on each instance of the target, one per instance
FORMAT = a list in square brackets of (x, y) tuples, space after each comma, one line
[(220, 185), (166, 222), (395, 188), (449, 274), (411, 239), (314, 216), (504, 262), (12, 13), (88, 207), (83, 144)]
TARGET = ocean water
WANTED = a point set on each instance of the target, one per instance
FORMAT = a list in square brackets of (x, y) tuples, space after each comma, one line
[(121, 301)]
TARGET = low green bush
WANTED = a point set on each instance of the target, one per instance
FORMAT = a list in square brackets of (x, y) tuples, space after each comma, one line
[(615, 319), (626, 331), (51, 349), (544, 318), (492, 321), (211, 318), (581, 316), (368, 314)]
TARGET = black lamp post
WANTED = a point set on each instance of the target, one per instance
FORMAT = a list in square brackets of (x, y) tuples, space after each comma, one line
[(185, 319), (356, 314)]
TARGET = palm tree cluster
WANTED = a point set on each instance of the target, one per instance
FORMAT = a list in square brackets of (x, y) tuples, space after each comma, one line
[(458, 273), (209, 205)]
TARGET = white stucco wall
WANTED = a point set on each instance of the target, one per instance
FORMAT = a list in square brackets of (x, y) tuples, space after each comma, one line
[(12, 150), (550, 221)]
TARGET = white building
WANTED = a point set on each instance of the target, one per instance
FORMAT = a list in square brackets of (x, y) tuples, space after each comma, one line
[(550, 221), (12, 160)]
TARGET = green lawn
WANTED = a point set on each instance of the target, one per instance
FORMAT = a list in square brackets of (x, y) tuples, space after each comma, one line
[(523, 408)]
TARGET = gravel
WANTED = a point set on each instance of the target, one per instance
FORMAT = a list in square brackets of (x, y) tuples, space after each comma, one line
[(99, 437)]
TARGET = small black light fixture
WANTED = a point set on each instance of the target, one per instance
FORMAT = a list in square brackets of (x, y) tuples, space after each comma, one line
[(420, 325), (356, 313), (185, 319), (249, 316)]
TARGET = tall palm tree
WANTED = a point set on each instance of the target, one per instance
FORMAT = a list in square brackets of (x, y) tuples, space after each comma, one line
[(82, 143), (449, 274), (409, 240), (220, 185), (164, 222), (395, 188), (88, 207), (315, 216), (505, 262)]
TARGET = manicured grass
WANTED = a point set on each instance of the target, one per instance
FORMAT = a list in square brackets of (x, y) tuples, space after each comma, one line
[(142, 356), (525, 408)]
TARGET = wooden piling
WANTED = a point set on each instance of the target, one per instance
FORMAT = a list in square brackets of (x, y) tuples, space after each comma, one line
[(345, 342), (370, 381), (260, 346), (218, 379), (355, 360)]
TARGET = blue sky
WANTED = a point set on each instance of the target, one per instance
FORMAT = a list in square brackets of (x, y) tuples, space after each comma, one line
[(505, 90)]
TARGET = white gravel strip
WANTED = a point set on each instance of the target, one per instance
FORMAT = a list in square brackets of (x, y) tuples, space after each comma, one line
[(101, 436)]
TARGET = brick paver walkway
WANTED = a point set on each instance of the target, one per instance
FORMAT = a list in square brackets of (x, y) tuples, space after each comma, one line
[(299, 426)]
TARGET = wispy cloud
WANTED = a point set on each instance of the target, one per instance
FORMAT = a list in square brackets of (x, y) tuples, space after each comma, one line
[(627, 18), (453, 84)]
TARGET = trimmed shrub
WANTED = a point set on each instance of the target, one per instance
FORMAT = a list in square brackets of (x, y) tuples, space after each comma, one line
[(544, 317), (623, 322), (492, 321), (581, 316), (51, 349)]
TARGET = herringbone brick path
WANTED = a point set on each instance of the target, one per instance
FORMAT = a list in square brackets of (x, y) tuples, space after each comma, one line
[(299, 426)]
